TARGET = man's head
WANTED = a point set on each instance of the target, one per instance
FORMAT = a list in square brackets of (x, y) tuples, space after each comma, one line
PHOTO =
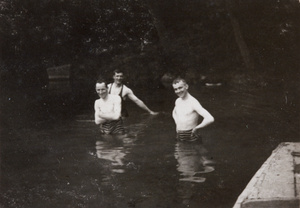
[(118, 76), (101, 88), (180, 87)]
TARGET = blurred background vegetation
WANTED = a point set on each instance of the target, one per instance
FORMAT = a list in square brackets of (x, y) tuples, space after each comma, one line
[(237, 42)]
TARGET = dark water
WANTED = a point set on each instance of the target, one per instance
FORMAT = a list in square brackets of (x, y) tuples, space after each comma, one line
[(67, 163)]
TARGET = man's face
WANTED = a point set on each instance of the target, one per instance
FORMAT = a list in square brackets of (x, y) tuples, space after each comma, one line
[(101, 90), (180, 89), (118, 78)]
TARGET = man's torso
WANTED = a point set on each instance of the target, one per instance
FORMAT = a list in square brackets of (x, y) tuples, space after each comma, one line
[(107, 106), (187, 117), (122, 90)]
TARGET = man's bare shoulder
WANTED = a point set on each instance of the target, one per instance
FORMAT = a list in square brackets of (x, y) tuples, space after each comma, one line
[(194, 101), (126, 90), (177, 101), (192, 98), (97, 100), (97, 103)]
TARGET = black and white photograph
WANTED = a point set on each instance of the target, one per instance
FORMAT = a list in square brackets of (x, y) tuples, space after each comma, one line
[(149, 103)]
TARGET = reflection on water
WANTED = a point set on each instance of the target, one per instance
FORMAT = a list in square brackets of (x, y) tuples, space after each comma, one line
[(68, 163), (111, 151), (192, 161), (114, 148)]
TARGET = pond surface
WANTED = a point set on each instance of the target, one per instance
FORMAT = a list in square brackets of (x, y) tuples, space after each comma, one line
[(67, 163)]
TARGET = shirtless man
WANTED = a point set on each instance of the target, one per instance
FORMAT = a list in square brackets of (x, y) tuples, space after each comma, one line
[(186, 113), (108, 110), (118, 88)]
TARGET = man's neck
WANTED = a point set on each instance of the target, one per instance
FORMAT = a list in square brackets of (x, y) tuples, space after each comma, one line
[(186, 96), (105, 98), (117, 84)]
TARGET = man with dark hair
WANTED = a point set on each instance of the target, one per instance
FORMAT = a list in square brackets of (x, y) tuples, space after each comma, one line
[(118, 88), (108, 110), (187, 111)]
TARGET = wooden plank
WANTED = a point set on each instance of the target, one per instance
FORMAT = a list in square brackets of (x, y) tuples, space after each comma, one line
[(276, 183), (296, 155)]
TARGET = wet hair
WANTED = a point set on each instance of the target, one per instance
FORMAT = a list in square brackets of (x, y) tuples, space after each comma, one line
[(101, 80), (179, 79), (117, 71)]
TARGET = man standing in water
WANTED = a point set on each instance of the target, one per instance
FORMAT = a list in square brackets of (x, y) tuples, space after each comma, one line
[(108, 110), (186, 113), (118, 88)]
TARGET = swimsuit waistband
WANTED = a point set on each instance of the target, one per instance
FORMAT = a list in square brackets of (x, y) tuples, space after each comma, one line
[(113, 127), (187, 135)]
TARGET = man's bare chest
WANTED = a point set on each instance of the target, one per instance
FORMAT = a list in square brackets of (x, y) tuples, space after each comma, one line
[(183, 108), (115, 90), (106, 106)]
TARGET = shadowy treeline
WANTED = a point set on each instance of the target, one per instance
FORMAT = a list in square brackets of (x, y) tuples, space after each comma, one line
[(227, 41)]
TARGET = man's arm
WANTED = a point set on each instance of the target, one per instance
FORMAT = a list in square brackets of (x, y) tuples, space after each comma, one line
[(207, 117), (116, 113), (139, 102), (98, 119), (174, 115)]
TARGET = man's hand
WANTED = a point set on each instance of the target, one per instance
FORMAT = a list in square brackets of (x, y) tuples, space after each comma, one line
[(153, 113), (194, 130)]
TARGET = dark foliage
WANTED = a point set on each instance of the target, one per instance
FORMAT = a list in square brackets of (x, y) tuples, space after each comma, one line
[(178, 36)]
